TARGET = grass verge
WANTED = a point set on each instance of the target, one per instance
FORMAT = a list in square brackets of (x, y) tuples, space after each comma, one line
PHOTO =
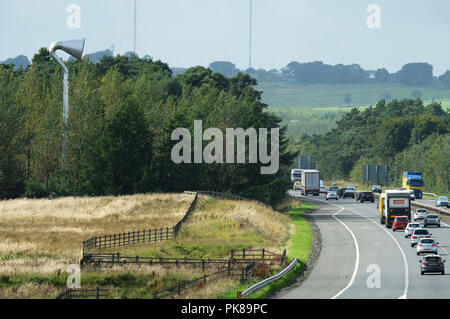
[(299, 245)]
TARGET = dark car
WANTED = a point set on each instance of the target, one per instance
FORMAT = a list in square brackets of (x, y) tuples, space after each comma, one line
[(376, 189), (341, 191), (365, 197), (432, 263), (349, 193)]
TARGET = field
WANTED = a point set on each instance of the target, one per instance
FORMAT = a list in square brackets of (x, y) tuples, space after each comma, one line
[(40, 238), (319, 120), (279, 94)]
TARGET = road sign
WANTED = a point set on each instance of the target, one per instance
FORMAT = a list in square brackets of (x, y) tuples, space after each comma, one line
[(375, 173), (239, 295), (305, 162)]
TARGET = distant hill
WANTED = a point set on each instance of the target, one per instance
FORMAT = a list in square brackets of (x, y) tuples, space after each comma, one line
[(96, 57), (20, 61)]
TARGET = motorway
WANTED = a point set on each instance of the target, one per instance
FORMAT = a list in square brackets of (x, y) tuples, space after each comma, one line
[(361, 259)]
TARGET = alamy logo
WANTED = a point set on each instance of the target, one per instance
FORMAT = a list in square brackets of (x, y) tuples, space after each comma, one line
[(214, 151), (374, 19), (74, 18)]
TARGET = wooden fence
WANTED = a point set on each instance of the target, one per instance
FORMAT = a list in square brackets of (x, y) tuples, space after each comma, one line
[(238, 257), (138, 237), (84, 294), (199, 283)]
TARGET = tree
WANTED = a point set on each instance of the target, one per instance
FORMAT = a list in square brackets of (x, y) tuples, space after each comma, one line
[(226, 68), (416, 74), (125, 148)]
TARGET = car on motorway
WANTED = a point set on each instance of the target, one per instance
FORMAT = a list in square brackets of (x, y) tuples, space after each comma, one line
[(410, 229), (427, 245), (341, 191), (323, 190), (334, 189), (297, 186), (332, 195), (351, 186), (365, 196), (400, 222), (432, 263), (418, 234), (349, 193), (420, 214), (376, 189), (432, 220), (442, 201)]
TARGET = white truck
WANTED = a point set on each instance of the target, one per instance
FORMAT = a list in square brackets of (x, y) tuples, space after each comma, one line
[(393, 203), (310, 182)]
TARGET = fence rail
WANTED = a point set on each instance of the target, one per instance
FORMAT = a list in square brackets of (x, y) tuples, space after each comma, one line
[(242, 272), (237, 257), (83, 294)]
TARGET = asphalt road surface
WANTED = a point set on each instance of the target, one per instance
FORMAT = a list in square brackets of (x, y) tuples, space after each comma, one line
[(361, 259)]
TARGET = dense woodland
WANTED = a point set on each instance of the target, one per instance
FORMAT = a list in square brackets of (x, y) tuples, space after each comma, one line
[(403, 134), (122, 113)]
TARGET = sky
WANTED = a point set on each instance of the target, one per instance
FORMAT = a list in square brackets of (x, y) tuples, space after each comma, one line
[(185, 33)]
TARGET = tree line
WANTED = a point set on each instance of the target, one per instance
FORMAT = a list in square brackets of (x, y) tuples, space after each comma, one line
[(405, 135), (411, 74), (122, 113)]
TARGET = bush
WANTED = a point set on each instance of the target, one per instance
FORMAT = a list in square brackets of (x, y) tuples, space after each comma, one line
[(35, 189)]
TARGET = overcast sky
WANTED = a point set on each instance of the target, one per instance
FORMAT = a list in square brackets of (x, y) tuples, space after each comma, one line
[(185, 33)]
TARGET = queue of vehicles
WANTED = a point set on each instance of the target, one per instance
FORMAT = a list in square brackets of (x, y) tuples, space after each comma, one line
[(394, 208)]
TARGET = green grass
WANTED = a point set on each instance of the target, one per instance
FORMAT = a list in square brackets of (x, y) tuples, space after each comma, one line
[(299, 246), (281, 94)]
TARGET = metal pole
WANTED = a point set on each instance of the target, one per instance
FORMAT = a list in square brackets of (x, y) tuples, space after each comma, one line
[(250, 42), (134, 26), (65, 105)]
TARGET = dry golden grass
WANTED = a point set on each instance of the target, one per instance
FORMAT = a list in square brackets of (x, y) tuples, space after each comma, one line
[(44, 235)]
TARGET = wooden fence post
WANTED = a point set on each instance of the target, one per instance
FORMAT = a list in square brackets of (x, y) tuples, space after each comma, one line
[(204, 280), (263, 250), (243, 253), (98, 293), (167, 233)]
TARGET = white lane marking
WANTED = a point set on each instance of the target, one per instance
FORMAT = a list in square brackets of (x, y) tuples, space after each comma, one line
[(355, 271), (405, 261)]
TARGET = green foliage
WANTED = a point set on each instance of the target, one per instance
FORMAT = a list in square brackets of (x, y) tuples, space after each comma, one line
[(402, 134), (122, 112)]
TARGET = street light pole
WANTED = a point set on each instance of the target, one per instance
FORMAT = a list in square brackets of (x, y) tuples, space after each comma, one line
[(74, 48)]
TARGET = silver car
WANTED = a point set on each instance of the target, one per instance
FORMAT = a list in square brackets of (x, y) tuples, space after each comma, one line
[(427, 245), (410, 229), (418, 234), (432, 220), (420, 214), (332, 195)]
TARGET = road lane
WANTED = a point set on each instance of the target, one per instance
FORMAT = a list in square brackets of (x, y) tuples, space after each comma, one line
[(335, 259), (428, 286), (335, 265)]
